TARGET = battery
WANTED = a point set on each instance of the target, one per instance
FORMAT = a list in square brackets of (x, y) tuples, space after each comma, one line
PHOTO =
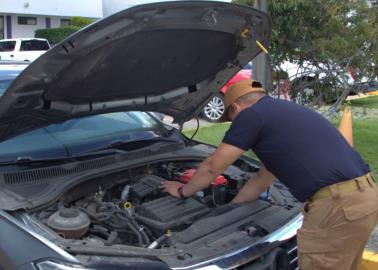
[(218, 186), (187, 175)]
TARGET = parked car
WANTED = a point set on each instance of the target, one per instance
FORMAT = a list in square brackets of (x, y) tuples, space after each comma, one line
[(9, 70), (364, 88), (81, 162), (23, 49), (214, 109)]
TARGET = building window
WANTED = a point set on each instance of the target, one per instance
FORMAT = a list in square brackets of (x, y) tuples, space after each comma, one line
[(65, 22), (27, 20)]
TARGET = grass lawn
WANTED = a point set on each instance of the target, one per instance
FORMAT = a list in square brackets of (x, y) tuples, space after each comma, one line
[(368, 102), (365, 137), (212, 134), (365, 132)]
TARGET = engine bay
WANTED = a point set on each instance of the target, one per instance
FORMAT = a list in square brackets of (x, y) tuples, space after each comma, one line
[(134, 211)]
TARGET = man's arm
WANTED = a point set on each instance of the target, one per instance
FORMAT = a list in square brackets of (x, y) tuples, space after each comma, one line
[(255, 186), (213, 166)]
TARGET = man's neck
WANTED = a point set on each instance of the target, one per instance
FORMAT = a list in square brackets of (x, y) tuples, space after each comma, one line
[(255, 99)]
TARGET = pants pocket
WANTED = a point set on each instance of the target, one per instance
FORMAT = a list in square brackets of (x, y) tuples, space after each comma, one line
[(364, 204), (319, 251)]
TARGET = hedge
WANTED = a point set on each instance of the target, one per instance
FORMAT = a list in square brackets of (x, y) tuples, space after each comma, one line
[(55, 35), (80, 21)]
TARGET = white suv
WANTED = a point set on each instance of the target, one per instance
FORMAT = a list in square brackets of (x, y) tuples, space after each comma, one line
[(23, 49)]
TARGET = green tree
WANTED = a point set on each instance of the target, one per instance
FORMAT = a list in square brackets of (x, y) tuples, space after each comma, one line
[(326, 38), (80, 21)]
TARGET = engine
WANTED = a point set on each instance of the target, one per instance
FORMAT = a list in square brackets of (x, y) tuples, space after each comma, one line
[(136, 211)]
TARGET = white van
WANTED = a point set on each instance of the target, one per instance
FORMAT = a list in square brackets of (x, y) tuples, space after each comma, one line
[(23, 49)]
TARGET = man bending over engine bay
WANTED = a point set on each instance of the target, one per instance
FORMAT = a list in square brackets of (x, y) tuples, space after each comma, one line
[(311, 157)]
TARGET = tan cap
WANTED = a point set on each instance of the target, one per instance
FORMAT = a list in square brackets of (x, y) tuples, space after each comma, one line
[(237, 90)]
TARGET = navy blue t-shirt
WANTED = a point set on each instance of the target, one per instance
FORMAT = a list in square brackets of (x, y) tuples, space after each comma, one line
[(298, 145)]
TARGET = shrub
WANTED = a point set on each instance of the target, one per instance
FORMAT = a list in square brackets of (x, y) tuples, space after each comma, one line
[(55, 35)]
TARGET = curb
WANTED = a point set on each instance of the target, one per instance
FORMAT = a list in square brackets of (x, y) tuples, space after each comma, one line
[(369, 260)]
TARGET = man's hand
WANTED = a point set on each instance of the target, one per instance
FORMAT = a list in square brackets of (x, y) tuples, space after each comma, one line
[(213, 166), (171, 187)]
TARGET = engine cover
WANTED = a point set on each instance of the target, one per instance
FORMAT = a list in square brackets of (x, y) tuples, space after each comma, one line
[(169, 212)]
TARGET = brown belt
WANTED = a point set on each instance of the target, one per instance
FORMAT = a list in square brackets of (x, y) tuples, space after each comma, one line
[(358, 183)]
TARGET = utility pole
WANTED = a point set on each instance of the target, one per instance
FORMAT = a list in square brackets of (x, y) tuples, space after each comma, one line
[(260, 69)]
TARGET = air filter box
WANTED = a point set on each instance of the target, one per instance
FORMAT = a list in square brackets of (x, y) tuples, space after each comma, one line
[(147, 186)]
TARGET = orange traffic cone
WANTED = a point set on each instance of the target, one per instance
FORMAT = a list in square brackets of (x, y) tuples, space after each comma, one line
[(345, 126)]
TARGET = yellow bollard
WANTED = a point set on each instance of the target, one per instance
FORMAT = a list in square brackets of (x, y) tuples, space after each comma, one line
[(345, 126), (369, 260)]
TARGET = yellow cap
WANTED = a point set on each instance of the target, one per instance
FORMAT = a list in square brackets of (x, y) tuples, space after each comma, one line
[(127, 205), (237, 90)]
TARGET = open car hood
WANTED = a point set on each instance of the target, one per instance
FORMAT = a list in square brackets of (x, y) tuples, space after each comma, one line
[(167, 57)]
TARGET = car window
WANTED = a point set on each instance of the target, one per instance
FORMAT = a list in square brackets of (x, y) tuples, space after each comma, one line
[(248, 66), (34, 45), (80, 135), (7, 46)]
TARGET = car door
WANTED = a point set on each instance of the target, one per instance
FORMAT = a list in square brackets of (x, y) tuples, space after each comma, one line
[(7, 49), (32, 49)]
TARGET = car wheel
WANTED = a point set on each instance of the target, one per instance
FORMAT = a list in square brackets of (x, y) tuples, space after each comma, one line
[(214, 110)]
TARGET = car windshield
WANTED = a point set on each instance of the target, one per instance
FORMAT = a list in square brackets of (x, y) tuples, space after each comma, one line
[(77, 136)]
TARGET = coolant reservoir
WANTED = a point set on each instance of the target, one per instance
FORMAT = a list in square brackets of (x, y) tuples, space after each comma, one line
[(69, 222)]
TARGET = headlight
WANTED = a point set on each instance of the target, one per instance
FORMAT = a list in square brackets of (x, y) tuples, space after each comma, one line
[(50, 265)]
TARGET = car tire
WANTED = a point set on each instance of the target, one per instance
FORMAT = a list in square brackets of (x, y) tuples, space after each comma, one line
[(214, 109)]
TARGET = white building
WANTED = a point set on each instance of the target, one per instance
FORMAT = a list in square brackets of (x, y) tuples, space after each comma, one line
[(372, 3), (20, 18), (112, 6)]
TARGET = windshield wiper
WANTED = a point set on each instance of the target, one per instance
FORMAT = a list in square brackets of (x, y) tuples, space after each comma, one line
[(107, 149), (122, 143), (29, 160)]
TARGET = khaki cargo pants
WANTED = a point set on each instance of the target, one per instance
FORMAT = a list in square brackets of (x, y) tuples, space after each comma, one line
[(336, 229)]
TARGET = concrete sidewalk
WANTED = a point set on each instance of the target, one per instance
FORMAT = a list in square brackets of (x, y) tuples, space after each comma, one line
[(192, 124)]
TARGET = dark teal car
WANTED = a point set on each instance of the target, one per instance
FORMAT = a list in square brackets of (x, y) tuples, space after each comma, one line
[(81, 159)]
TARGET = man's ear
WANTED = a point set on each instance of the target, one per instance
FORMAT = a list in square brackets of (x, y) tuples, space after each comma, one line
[(231, 109), (236, 107)]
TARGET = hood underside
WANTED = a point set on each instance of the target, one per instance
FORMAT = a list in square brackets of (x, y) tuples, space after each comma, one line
[(168, 57)]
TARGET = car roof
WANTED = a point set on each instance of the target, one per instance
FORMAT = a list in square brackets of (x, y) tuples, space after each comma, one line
[(14, 62), (13, 65), (15, 39), (7, 74)]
